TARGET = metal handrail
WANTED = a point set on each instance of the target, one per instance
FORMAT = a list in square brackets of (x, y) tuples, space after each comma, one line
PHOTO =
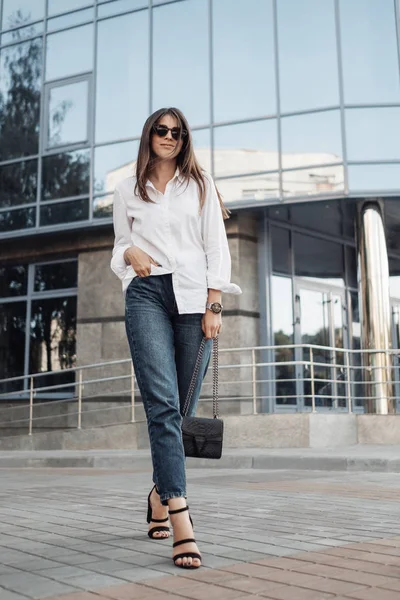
[(337, 390)]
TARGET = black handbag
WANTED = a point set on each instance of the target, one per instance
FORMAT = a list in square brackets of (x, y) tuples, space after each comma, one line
[(202, 437)]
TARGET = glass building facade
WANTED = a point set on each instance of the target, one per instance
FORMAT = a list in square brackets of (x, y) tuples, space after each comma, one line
[(295, 110)]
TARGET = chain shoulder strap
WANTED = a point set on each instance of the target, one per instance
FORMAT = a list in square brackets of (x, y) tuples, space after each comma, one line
[(196, 375)]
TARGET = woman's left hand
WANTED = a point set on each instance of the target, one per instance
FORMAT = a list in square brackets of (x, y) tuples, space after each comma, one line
[(211, 324)]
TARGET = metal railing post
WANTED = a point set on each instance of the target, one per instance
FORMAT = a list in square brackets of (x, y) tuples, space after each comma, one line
[(254, 374), (132, 393), (80, 399), (31, 406), (348, 383), (312, 380)]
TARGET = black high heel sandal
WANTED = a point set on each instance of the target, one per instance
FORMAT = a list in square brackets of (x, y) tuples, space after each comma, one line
[(186, 541), (150, 519)]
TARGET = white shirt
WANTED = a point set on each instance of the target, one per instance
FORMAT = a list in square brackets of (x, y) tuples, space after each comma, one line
[(191, 246)]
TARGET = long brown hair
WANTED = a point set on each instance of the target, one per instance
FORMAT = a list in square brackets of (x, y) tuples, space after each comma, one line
[(185, 160)]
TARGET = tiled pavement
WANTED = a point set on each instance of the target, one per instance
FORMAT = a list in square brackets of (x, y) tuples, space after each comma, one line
[(283, 535)]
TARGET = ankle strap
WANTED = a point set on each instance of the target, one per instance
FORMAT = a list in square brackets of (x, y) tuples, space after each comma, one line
[(178, 510)]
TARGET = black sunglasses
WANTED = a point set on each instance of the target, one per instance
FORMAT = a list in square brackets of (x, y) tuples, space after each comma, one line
[(176, 132)]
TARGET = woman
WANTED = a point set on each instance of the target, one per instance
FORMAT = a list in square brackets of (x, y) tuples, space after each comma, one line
[(171, 253)]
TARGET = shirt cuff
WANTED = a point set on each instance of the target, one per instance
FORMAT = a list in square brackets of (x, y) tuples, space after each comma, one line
[(216, 283), (118, 264)]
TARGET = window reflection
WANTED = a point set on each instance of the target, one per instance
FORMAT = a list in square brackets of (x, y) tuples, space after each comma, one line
[(103, 206), (369, 49), (53, 338), (122, 41), (13, 281), (21, 34), (112, 163), (75, 18), (245, 148), (20, 68), (64, 212), (202, 147), (318, 259), (12, 343), (313, 181), (69, 52), (19, 12), (60, 6), (307, 54), (282, 327), (373, 133), (68, 114), (18, 183), (392, 224), (250, 189), (311, 139), (321, 216), (56, 276), (119, 6), (22, 218), (370, 178), (66, 175), (281, 253), (190, 90), (394, 277), (243, 57)]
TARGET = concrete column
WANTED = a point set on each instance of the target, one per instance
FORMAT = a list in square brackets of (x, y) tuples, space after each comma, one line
[(374, 300)]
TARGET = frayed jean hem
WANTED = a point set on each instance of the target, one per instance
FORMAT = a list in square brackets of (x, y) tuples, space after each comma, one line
[(168, 495)]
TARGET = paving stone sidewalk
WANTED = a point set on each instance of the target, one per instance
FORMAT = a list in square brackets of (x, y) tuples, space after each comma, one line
[(74, 534)]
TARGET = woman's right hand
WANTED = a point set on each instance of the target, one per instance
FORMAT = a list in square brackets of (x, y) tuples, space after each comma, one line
[(139, 260)]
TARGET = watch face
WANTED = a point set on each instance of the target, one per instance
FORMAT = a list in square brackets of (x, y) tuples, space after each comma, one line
[(216, 307)]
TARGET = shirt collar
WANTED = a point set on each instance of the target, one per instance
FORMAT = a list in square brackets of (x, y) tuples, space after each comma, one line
[(177, 176)]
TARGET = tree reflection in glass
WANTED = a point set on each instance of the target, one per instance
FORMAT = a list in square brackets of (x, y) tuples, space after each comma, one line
[(12, 343)]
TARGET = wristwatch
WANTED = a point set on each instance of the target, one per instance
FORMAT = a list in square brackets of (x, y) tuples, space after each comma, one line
[(215, 307)]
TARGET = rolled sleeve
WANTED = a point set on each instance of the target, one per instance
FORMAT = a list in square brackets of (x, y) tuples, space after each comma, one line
[(216, 243), (123, 240)]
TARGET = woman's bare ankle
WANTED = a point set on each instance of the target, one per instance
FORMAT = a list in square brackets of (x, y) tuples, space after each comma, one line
[(176, 503)]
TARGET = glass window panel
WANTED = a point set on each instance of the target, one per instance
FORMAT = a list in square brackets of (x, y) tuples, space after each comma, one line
[(394, 278), (64, 212), (113, 8), (12, 343), (256, 189), (72, 19), (18, 183), (245, 148), (13, 281), (244, 59), (351, 266), (280, 213), (311, 139), (392, 223), (369, 49), (373, 178), (60, 6), (321, 216), (373, 133), (318, 260), (313, 181), (68, 114), (281, 256), (113, 163), (56, 276), (189, 88), (282, 327), (103, 206), (78, 59), (66, 175), (202, 147), (20, 81), (19, 12), (122, 41), (53, 339), (22, 218), (308, 69), (19, 35)]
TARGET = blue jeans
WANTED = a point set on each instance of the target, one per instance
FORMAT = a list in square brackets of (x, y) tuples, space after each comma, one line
[(164, 347)]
